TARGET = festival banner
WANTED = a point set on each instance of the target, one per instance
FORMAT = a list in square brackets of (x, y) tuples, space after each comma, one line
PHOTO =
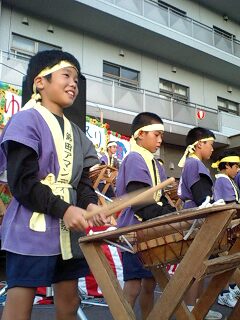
[(123, 146), (10, 102), (99, 133)]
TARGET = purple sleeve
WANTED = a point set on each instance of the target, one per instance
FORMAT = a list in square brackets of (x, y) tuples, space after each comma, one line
[(27, 135), (133, 168), (15, 131), (136, 169), (223, 189), (104, 159), (162, 172), (237, 179), (191, 172)]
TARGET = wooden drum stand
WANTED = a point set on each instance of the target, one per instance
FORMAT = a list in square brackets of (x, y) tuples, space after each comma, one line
[(161, 241)]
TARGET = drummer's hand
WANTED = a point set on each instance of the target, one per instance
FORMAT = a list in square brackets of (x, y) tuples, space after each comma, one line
[(74, 219), (99, 219)]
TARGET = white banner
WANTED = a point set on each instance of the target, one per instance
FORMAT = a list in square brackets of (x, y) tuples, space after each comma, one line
[(97, 135), (123, 147)]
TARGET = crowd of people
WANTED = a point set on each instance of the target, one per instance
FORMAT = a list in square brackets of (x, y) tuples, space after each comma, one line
[(52, 191)]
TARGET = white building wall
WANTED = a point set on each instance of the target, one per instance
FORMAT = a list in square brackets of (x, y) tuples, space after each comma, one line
[(37, 30), (96, 51), (92, 51), (4, 28), (150, 73)]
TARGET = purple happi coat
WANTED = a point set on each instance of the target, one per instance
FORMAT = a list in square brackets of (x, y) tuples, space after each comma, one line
[(133, 168), (190, 175), (104, 159), (225, 189), (29, 128)]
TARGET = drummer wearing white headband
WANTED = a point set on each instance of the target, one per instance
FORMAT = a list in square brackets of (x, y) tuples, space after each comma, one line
[(109, 157), (139, 170), (196, 182), (196, 187)]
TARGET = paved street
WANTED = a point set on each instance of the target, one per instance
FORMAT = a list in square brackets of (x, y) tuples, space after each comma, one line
[(94, 312)]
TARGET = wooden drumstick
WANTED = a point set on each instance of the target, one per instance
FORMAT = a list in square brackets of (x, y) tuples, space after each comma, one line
[(130, 199)]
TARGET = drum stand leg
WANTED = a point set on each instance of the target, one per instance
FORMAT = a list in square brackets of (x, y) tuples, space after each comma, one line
[(162, 278), (106, 279), (236, 277), (217, 283), (200, 249)]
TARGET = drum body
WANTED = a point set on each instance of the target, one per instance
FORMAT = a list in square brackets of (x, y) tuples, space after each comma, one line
[(168, 244)]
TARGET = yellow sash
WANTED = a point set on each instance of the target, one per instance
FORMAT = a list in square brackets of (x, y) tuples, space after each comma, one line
[(60, 186), (110, 162), (150, 161)]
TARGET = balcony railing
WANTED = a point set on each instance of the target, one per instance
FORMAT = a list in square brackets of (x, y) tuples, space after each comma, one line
[(114, 95), (149, 9)]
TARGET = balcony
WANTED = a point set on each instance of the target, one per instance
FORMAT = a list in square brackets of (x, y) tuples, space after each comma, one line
[(144, 26), (121, 103), (149, 9), (112, 96)]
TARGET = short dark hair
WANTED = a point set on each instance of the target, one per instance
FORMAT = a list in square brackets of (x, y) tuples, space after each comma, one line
[(47, 58), (198, 133), (144, 119), (226, 153)]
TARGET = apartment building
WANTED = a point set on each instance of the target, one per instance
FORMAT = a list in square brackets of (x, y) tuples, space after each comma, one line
[(177, 58)]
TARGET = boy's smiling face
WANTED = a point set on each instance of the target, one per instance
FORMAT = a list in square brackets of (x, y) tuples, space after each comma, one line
[(60, 91)]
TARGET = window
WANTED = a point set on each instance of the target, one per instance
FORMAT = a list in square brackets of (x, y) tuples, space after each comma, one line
[(172, 8), (174, 90), (26, 47), (228, 106), (124, 76)]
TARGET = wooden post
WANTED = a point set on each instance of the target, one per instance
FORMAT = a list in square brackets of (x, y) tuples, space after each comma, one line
[(162, 278), (190, 268), (106, 279), (216, 284)]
